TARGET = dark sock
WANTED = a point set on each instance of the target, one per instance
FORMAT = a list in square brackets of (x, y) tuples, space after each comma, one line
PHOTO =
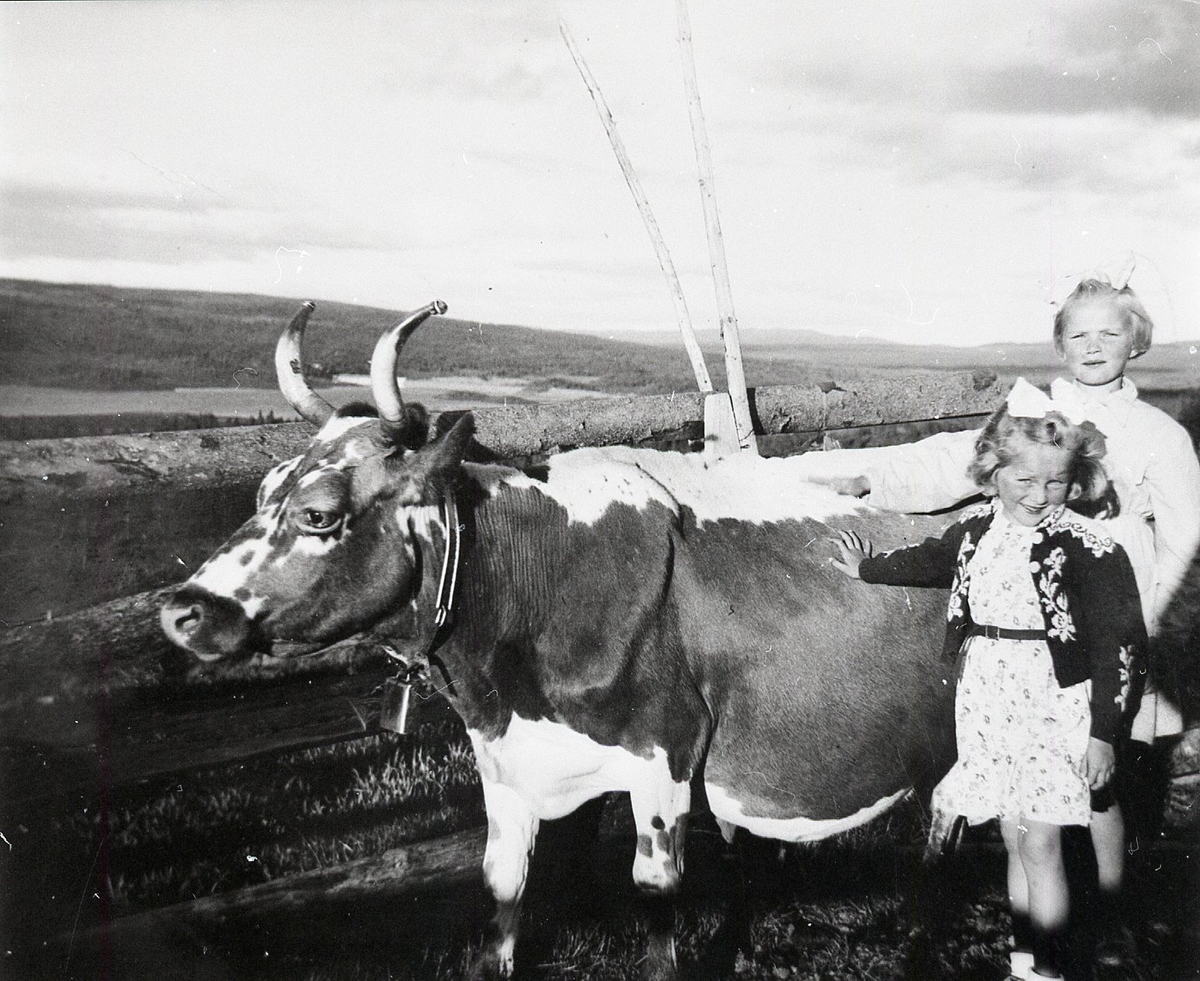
[(1022, 930), (1114, 941), (1047, 959), (1141, 787), (1109, 909)]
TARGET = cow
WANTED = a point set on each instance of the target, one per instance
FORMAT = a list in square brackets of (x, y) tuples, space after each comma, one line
[(616, 619)]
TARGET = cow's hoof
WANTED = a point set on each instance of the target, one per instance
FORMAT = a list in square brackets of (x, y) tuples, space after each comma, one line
[(660, 964), (657, 970), (489, 966), (921, 962), (1116, 954)]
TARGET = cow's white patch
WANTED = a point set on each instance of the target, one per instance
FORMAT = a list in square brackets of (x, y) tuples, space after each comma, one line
[(313, 476), (728, 808), (744, 487), (337, 427), (544, 770), (494, 477), (227, 571), (275, 478), (348, 454), (310, 545), (556, 769), (420, 517), (659, 805), (512, 829)]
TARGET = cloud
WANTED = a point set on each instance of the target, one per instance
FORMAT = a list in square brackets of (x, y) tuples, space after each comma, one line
[(1073, 59), (131, 226), (869, 158), (1140, 82), (1094, 154), (99, 223)]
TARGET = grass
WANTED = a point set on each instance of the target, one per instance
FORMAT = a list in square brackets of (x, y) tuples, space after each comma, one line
[(99, 338), (65, 427), (105, 338), (234, 826), (837, 909)]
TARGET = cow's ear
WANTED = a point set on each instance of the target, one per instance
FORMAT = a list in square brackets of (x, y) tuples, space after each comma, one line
[(459, 437), (438, 465)]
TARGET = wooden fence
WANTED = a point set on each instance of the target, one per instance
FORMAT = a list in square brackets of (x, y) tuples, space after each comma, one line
[(96, 531)]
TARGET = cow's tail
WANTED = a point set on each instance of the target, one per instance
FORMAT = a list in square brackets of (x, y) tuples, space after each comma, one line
[(944, 835)]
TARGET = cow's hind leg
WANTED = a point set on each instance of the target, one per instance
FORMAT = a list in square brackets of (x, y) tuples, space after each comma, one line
[(512, 829), (733, 936), (660, 808)]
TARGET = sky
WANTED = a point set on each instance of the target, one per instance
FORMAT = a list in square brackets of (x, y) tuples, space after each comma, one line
[(915, 170)]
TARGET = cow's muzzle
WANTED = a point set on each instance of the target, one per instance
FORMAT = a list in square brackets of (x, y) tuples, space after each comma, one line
[(211, 627)]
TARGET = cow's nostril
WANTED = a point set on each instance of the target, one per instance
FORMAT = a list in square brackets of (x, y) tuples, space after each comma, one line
[(182, 622), (209, 626), (188, 621)]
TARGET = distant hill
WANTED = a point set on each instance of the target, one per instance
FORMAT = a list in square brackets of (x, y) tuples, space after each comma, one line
[(753, 336), (1169, 366), (108, 338), (99, 337)]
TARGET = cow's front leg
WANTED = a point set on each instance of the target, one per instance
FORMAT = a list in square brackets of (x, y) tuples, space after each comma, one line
[(512, 828), (660, 807)]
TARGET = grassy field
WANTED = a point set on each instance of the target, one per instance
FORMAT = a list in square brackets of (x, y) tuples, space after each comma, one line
[(94, 337), (840, 909), (105, 339), (100, 338)]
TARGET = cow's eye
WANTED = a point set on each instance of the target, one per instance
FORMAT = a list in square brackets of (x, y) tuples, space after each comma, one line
[(316, 522)]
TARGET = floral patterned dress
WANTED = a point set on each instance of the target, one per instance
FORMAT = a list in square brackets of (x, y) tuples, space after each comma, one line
[(1022, 740)]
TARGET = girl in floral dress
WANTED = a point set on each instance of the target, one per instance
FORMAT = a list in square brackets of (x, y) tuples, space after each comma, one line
[(1045, 608), (1099, 330)]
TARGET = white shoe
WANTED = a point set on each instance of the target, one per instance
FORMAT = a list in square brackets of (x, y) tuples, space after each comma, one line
[(1020, 965)]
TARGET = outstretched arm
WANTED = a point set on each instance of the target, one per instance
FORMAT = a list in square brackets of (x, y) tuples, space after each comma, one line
[(928, 475), (927, 563)]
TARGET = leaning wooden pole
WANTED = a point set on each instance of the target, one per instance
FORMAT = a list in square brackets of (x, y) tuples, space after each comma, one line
[(699, 369), (734, 372)]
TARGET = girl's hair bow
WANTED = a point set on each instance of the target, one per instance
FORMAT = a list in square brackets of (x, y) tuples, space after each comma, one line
[(1116, 272), (1026, 401)]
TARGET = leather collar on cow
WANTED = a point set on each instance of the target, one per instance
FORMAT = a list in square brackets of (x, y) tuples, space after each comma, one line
[(443, 617)]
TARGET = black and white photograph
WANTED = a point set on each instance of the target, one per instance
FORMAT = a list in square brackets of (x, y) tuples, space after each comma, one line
[(586, 490)]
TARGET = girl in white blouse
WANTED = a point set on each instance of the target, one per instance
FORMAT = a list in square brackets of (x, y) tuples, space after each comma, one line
[(1153, 466)]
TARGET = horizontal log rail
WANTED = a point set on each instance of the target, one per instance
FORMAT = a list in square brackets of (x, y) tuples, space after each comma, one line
[(102, 695), (193, 938), (87, 748), (102, 466)]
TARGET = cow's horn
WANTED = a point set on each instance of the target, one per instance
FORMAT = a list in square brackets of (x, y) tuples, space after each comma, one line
[(289, 369), (383, 368)]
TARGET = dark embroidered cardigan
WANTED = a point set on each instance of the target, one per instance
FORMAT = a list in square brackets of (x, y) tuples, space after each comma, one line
[(1089, 599)]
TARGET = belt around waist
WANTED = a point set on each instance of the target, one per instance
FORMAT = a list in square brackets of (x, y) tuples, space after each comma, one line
[(1004, 633)]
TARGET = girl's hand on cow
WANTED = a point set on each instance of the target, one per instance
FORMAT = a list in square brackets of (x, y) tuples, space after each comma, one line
[(854, 549), (1101, 762)]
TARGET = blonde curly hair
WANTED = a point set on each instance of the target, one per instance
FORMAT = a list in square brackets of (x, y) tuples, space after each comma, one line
[(999, 444)]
